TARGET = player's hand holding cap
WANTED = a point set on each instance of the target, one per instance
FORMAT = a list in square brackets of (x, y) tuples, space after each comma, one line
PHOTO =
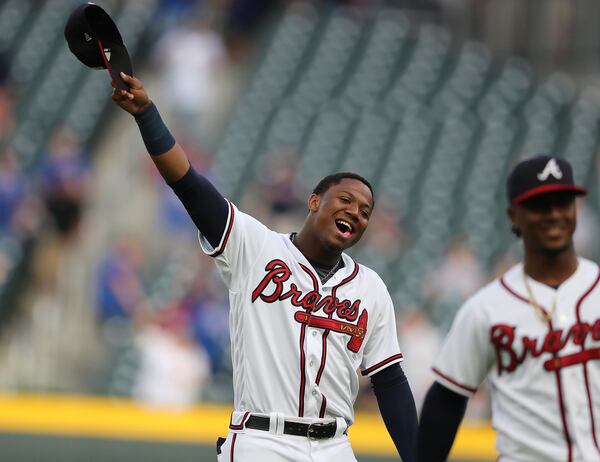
[(94, 39), (539, 175)]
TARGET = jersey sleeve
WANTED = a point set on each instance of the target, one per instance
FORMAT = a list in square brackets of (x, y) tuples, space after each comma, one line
[(465, 357), (381, 346), (242, 242)]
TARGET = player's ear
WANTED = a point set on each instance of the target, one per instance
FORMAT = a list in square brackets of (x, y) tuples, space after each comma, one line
[(313, 202), (512, 216)]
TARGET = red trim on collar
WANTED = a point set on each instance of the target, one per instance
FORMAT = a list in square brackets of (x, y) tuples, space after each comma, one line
[(520, 297)]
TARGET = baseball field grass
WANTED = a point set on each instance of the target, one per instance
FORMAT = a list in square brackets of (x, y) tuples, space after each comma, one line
[(44, 448)]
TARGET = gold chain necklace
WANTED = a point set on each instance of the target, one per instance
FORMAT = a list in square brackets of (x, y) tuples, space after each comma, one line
[(545, 315)]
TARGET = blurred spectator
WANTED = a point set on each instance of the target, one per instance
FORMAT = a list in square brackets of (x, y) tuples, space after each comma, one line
[(6, 114), (420, 342), (207, 305), (119, 287), (172, 12), (65, 173), (276, 197), (457, 278), (244, 20), (12, 191), (190, 58), (385, 236), (173, 218), (173, 369)]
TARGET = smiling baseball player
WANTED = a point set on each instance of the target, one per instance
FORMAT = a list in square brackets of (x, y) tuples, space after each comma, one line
[(534, 333), (304, 316)]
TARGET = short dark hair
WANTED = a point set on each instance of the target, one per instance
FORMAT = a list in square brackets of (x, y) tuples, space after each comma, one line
[(336, 178)]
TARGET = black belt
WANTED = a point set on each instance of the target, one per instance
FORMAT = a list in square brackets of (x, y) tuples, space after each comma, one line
[(316, 431)]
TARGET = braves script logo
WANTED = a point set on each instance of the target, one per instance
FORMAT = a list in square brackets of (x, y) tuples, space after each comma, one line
[(511, 351), (271, 289), (551, 168)]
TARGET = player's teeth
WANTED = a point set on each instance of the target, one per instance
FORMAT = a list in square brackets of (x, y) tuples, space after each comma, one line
[(345, 224)]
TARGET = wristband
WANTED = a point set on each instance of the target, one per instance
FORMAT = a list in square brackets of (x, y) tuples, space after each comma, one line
[(156, 135)]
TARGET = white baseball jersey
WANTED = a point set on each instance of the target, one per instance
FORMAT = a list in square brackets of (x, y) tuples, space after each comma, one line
[(297, 343), (543, 370)]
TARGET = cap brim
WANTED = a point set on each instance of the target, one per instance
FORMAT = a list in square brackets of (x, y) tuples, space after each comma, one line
[(117, 62), (548, 188)]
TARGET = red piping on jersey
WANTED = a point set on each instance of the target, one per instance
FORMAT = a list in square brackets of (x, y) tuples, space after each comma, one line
[(561, 403), (381, 364), (323, 356), (219, 250), (591, 353), (302, 373), (326, 333), (302, 355), (453, 382), (241, 424), (557, 374), (232, 446), (520, 297), (348, 279), (323, 407), (324, 340)]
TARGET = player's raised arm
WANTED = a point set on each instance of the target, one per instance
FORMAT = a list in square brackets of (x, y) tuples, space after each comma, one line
[(169, 157), (205, 205)]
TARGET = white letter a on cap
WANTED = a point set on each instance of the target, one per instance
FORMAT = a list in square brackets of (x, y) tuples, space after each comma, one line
[(551, 168)]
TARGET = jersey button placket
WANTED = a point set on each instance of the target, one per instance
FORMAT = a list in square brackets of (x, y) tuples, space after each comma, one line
[(313, 360)]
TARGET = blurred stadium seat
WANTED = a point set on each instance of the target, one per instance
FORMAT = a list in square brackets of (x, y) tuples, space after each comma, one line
[(52, 89), (434, 125), (432, 122)]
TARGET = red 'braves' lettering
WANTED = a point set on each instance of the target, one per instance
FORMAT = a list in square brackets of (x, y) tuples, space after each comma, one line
[(596, 330), (271, 289), (502, 337), (277, 272)]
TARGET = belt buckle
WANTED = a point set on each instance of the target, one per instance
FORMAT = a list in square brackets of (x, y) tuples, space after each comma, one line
[(316, 430)]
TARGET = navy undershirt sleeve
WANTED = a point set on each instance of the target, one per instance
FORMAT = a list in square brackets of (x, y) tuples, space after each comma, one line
[(443, 410), (205, 205), (397, 408)]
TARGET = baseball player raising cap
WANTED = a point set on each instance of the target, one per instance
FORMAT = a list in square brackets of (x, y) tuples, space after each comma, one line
[(534, 333), (304, 315)]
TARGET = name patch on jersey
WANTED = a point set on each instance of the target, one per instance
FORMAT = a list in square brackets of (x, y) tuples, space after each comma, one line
[(511, 351), (272, 288)]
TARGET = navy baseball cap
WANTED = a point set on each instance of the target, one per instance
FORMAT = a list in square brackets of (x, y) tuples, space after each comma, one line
[(94, 39), (540, 175)]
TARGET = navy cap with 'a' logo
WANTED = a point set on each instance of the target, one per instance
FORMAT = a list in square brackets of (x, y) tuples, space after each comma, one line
[(540, 175), (94, 39)]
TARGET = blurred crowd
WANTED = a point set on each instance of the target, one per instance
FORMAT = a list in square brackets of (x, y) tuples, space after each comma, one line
[(162, 313)]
